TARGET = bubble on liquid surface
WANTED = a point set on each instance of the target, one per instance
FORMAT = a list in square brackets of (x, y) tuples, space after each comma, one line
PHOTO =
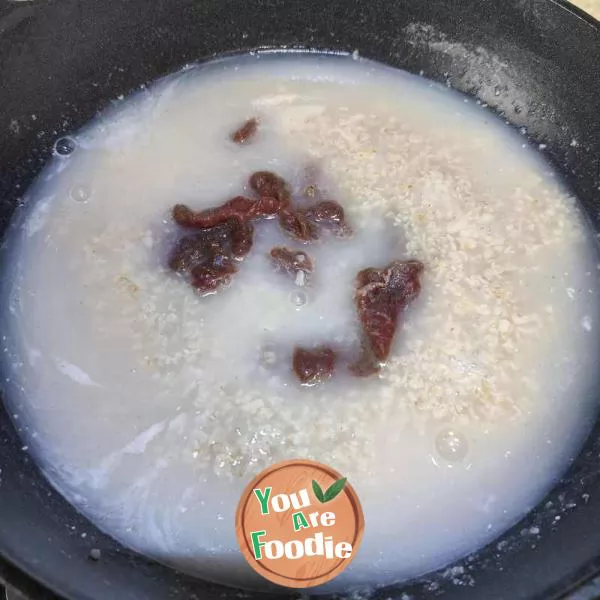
[(299, 299), (451, 445), (80, 193), (64, 146)]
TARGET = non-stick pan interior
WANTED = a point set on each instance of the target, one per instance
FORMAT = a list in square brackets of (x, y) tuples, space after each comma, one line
[(533, 61)]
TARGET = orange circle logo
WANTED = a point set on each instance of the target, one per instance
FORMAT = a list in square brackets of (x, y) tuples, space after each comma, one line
[(299, 523)]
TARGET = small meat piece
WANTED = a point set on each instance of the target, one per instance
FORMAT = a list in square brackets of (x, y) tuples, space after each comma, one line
[(297, 226), (199, 248), (367, 365), (241, 238), (209, 279), (268, 206), (183, 215), (381, 297), (265, 183), (207, 256), (246, 132), (239, 207), (188, 251), (313, 366), (296, 263), (330, 214)]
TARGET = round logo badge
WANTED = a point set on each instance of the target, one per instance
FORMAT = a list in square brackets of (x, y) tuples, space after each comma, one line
[(299, 523)]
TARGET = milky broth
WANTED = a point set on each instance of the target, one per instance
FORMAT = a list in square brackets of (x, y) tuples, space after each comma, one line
[(150, 408)]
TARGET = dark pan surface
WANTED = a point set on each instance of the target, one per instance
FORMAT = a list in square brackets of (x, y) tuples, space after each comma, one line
[(534, 61)]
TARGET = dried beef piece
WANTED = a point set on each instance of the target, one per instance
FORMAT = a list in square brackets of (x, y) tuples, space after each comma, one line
[(296, 263), (239, 207), (330, 214), (210, 278), (300, 224), (314, 365), (366, 365), (246, 132), (208, 254), (241, 238), (297, 226), (381, 296), (303, 224), (183, 215), (198, 248), (266, 183), (188, 251), (267, 207)]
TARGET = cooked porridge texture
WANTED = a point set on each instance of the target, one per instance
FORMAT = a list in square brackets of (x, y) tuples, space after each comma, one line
[(150, 405)]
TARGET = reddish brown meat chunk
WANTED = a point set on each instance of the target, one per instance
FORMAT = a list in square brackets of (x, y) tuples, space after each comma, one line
[(314, 365), (208, 255), (199, 248), (297, 226), (246, 132), (329, 214), (208, 279), (183, 215), (240, 207), (300, 223), (265, 183), (294, 263), (241, 238), (366, 365), (381, 297), (188, 251)]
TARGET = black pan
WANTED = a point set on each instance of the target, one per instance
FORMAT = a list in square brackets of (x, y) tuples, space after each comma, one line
[(537, 62)]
